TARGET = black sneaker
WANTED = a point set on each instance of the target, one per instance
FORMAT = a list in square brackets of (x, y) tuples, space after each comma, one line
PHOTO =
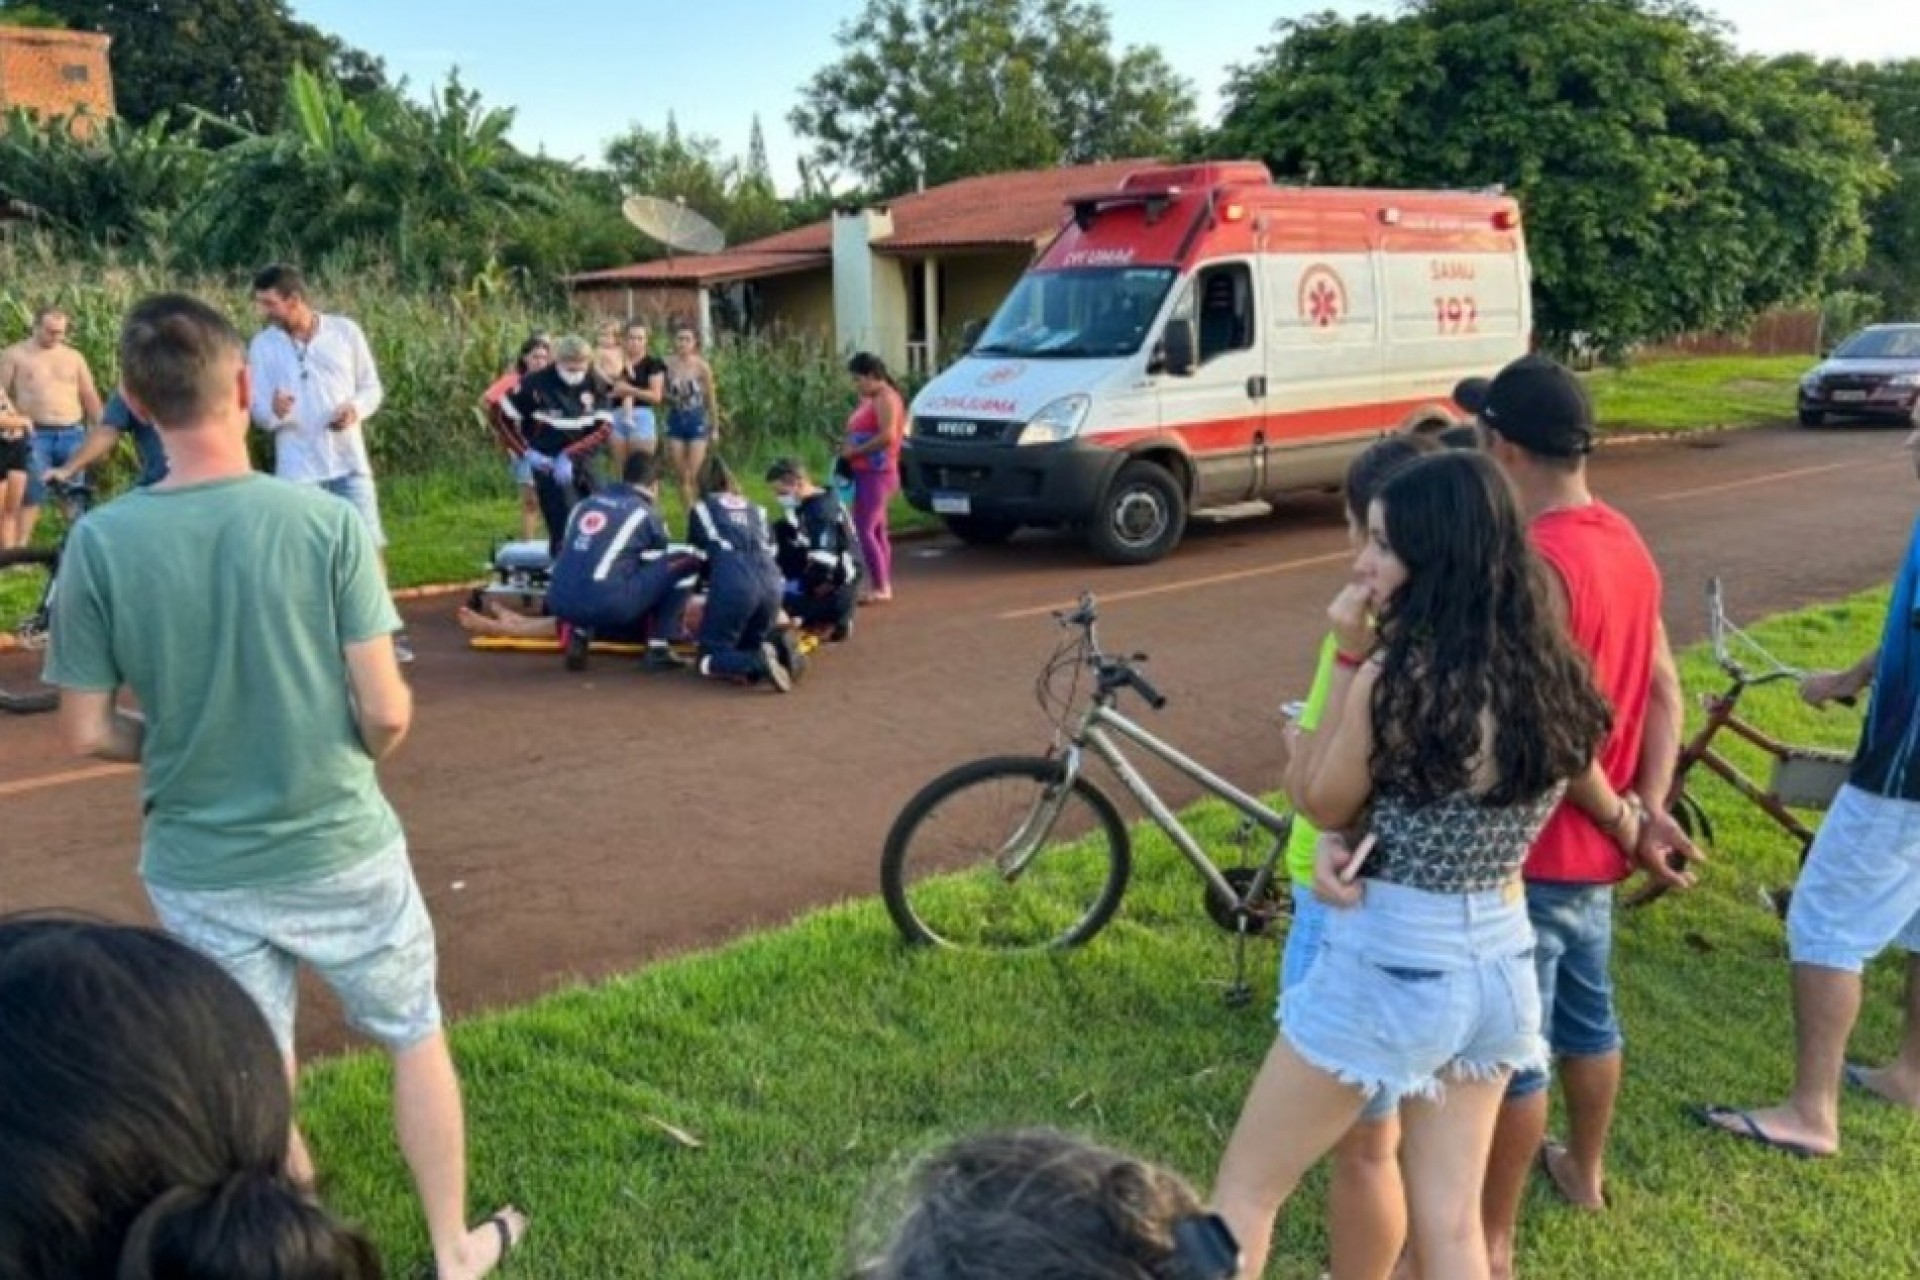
[(787, 645), (841, 633), (660, 658), (774, 670), (579, 644)]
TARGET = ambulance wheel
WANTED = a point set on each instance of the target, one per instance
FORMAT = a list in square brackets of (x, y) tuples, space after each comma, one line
[(1141, 516), (981, 531)]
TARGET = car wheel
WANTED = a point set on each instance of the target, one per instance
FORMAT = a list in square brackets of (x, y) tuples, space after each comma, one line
[(1141, 516), (1811, 417)]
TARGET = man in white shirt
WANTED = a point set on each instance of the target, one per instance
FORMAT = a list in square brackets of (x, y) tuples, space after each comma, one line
[(314, 387)]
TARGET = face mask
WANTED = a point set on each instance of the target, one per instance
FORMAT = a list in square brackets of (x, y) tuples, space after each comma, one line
[(790, 501), (573, 377)]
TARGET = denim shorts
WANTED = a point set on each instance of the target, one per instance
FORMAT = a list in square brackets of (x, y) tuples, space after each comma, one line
[(359, 490), (1573, 956), (50, 447), (1412, 989), (1306, 938), (364, 931), (521, 468), (687, 425), (634, 425), (1859, 891)]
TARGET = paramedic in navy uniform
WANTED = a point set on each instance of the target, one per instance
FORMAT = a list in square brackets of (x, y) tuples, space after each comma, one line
[(556, 418), (615, 575), (737, 635)]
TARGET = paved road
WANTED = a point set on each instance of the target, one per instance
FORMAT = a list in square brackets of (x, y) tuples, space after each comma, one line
[(570, 826)]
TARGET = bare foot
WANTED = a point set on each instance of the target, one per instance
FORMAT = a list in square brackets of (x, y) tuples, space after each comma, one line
[(1781, 1128), (1557, 1163), (485, 1247), (1886, 1084)]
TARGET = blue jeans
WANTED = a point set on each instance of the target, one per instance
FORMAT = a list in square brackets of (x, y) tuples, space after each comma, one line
[(1306, 939), (358, 490), (52, 447), (1573, 956)]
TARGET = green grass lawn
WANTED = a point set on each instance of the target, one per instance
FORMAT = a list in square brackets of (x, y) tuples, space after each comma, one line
[(727, 1114), (1687, 395)]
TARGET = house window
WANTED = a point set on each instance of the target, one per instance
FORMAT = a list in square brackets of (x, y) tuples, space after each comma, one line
[(75, 73)]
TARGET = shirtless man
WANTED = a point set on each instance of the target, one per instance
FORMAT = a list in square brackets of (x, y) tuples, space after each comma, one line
[(49, 382)]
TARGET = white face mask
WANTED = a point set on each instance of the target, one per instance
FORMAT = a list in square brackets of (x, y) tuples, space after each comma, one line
[(790, 501), (573, 377)]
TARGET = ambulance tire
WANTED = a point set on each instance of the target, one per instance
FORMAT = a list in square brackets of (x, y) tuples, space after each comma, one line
[(1140, 517), (981, 531)]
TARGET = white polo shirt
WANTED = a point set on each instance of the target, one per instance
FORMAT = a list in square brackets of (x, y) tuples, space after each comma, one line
[(333, 369)]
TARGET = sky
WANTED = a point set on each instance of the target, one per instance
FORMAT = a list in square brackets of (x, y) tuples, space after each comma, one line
[(585, 71)]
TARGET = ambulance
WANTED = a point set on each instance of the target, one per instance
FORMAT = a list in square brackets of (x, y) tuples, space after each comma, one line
[(1202, 338)]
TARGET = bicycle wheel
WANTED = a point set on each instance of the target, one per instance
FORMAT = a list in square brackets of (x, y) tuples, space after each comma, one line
[(26, 575), (996, 855)]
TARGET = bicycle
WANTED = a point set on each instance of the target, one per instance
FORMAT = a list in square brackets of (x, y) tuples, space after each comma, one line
[(27, 579), (1802, 777), (1055, 876)]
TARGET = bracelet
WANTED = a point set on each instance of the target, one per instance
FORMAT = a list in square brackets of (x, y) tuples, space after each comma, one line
[(1341, 658)]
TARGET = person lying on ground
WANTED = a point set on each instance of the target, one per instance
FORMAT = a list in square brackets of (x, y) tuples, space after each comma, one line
[(616, 575), (1041, 1205), (817, 549), (147, 1138), (740, 637)]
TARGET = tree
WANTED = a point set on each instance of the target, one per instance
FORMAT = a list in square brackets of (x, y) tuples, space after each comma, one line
[(927, 91), (228, 58), (1668, 184)]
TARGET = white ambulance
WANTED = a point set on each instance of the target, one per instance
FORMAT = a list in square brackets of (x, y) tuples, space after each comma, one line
[(1200, 337)]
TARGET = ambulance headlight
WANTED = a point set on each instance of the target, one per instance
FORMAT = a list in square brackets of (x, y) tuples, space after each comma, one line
[(1057, 422)]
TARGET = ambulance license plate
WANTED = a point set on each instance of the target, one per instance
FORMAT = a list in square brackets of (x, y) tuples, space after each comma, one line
[(952, 504)]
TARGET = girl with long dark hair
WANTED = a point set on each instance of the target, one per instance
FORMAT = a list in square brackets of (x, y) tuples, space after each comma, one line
[(1458, 717)]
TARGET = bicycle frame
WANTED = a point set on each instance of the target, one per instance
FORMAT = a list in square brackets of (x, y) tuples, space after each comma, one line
[(1721, 709), (1099, 731)]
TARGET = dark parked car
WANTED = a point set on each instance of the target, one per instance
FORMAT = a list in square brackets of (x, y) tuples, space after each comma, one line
[(1873, 374)]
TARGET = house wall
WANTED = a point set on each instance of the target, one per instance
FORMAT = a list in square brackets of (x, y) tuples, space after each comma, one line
[(57, 73), (800, 304), (976, 284)]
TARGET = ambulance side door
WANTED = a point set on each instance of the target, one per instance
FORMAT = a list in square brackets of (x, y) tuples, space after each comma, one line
[(1219, 412)]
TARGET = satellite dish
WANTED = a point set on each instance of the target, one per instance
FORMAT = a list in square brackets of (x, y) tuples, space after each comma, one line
[(673, 224)]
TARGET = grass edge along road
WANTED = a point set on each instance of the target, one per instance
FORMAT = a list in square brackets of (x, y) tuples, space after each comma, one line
[(726, 1113), (444, 532)]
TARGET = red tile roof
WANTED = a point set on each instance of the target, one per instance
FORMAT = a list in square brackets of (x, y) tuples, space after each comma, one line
[(990, 211)]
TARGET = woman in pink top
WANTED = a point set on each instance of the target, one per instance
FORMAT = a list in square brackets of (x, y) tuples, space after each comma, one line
[(535, 355), (872, 452)]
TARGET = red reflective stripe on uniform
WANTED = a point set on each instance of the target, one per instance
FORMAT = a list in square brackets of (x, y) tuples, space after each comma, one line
[(1302, 424)]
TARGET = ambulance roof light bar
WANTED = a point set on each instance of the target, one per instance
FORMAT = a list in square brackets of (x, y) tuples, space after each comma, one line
[(1088, 208)]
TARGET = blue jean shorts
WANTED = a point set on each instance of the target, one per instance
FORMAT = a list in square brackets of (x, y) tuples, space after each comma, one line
[(687, 425), (1306, 938), (364, 931), (1412, 989), (1573, 956), (50, 447), (359, 490), (1859, 892), (635, 425)]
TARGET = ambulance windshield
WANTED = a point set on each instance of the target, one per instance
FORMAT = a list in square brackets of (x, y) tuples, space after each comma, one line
[(1100, 311)]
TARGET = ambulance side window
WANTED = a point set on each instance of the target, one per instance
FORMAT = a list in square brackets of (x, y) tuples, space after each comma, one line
[(1225, 322)]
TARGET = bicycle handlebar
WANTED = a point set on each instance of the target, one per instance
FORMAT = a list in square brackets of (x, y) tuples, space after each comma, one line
[(1114, 673)]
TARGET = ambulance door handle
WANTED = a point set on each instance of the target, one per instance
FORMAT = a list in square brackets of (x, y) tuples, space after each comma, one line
[(1257, 387)]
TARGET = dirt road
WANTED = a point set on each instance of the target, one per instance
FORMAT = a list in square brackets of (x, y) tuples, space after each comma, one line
[(571, 826)]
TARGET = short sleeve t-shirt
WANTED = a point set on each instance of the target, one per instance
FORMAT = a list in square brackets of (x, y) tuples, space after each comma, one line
[(1304, 836), (1886, 764), (146, 439), (226, 608)]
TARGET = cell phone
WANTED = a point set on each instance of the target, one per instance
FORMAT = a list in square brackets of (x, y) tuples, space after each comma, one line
[(1351, 871), (1293, 711)]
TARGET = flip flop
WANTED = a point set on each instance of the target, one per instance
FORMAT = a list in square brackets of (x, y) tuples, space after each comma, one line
[(1855, 1074), (508, 1242), (1750, 1131)]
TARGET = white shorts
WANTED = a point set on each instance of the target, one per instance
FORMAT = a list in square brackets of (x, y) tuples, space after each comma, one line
[(1859, 892)]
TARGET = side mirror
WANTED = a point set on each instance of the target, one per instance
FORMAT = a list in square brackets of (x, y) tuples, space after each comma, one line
[(1176, 348), (970, 334)]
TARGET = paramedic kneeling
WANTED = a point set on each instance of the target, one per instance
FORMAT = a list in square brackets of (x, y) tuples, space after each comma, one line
[(615, 576), (817, 548), (737, 636)]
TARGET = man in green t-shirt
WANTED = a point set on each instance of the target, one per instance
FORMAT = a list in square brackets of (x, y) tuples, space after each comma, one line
[(249, 618)]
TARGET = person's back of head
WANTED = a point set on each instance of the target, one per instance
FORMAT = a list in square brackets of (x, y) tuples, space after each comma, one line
[(716, 478), (1041, 1205), (1537, 406), (144, 1118), (1372, 465), (640, 470), (180, 361)]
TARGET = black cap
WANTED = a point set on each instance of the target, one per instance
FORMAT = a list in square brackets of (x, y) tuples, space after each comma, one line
[(783, 469), (1535, 403)]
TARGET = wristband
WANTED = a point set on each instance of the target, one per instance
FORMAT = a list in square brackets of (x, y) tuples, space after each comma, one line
[(1341, 658)]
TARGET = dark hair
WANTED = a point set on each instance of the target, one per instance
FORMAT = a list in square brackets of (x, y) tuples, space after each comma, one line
[(1461, 435), (639, 470), (865, 364), (144, 1119), (178, 357), (1375, 463), (1036, 1205), (282, 278), (534, 342), (1473, 631), (716, 477), (786, 468)]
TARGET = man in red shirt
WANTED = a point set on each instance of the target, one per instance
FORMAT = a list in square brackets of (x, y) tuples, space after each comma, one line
[(1537, 423)]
